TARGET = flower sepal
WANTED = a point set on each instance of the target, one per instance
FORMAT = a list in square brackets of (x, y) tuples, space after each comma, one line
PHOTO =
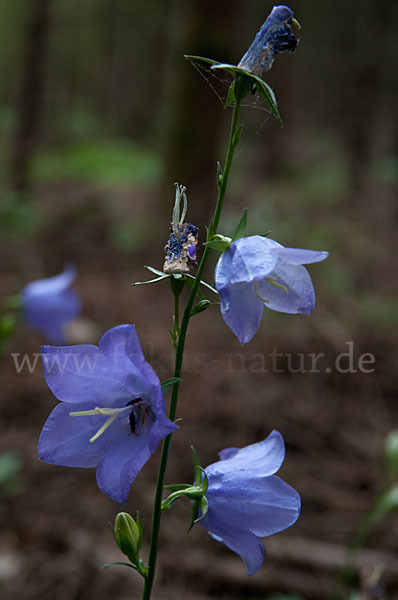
[(244, 82), (201, 306), (218, 242), (128, 536), (196, 492)]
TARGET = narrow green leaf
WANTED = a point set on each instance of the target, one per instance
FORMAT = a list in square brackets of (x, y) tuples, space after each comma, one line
[(219, 245), (195, 458), (156, 271), (205, 284), (167, 384), (204, 507), (190, 284), (240, 230), (151, 280), (263, 90), (236, 137), (122, 564), (195, 508), (262, 87), (210, 61), (176, 487), (231, 95)]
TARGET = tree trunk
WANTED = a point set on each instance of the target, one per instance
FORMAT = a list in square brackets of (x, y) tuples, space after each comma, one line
[(29, 103)]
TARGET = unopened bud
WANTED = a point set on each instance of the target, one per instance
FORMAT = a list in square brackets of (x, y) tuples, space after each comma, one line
[(128, 535)]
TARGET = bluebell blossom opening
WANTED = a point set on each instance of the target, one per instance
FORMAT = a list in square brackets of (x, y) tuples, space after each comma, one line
[(112, 413), (256, 272)]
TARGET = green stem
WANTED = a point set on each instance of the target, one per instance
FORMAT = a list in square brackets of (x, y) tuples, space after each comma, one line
[(179, 355), (176, 313)]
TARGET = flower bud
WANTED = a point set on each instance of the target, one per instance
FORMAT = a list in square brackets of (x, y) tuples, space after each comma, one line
[(128, 535)]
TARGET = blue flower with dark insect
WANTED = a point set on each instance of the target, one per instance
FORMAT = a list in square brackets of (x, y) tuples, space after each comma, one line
[(274, 37), (49, 304), (247, 501), (112, 411), (255, 272)]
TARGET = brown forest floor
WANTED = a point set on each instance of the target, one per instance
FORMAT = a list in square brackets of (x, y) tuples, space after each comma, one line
[(54, 533)]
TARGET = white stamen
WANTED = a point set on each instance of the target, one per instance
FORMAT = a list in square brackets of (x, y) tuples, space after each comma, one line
[(111, 413)]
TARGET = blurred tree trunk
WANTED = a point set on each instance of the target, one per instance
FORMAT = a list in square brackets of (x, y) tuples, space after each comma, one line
[(29, 103), (192, 117), (360, 91)]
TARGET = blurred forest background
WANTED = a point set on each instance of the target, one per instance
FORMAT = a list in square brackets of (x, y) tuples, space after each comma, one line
[(99, 115)]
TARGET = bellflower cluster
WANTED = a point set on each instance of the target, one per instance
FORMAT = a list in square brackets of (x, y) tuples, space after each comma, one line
[(112, 413), (246, 500), (255, 272), (49, 304), (112, 410)]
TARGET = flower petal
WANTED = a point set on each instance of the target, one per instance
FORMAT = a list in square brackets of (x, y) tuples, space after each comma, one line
[(118, 469), (298, 256), (241, 310), (300, 295), (65, 440), (50, 285), (82, 373), (245, 260), (239, 540), (263, 458), (121, 345), (49, 313), (263, 505)]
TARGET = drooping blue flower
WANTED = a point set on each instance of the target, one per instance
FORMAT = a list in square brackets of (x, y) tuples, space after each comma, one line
[(255, 272), (49, 304), (247, 501), (112, 411), (274, 37)]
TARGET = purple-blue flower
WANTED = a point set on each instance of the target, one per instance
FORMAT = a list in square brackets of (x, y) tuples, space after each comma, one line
[(247, 501), (255, 272), (274, 37), (49, 304), (112, 411)]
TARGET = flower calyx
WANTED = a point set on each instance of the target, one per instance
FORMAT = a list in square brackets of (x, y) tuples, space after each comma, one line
[(196, 492)]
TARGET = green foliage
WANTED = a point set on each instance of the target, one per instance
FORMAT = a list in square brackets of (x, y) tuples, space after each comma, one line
[(18, 215), (106, 162), (11, 482)]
